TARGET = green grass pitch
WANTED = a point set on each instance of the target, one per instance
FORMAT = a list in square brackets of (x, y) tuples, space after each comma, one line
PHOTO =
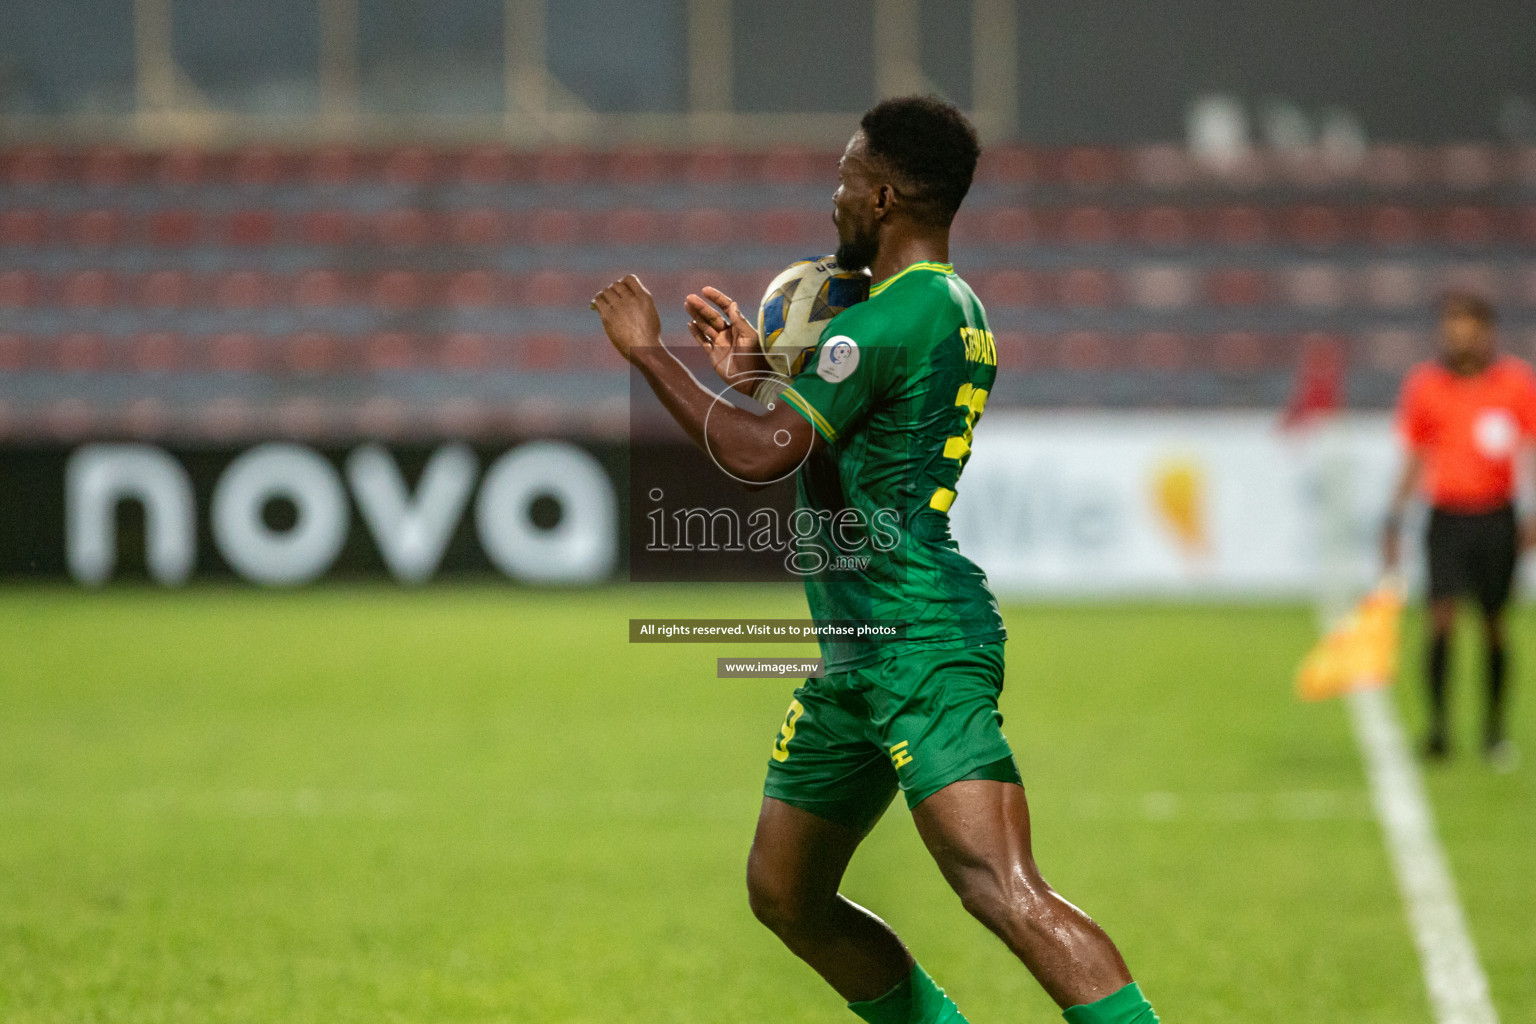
[(484, 805)]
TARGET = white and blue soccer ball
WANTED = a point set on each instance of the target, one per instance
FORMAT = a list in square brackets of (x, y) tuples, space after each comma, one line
[(798, 304)]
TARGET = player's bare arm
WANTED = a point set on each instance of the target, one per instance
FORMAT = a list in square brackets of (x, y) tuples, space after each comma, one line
[(751, 447)]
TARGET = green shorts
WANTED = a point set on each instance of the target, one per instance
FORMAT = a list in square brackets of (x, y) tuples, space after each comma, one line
[(916, 721)]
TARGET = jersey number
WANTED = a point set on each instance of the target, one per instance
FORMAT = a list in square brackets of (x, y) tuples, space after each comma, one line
[(971, 400)]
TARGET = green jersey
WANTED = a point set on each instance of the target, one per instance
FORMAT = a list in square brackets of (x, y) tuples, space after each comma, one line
[(894, 386)]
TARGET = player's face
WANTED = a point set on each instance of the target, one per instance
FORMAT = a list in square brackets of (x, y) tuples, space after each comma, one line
[(1464, 338), (853, 207)]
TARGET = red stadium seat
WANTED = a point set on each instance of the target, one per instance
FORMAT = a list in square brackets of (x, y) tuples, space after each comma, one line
[(1394, 166), (175, 228), (563, 166), (554, 227), (383, 416), (1523, 225), (166, 289), (108, 167), (319, 288), (412, 165), (24, 227), (389, 351), (1012, 288), (1164, 166), (1393, 225), (399, 289), (465, 352), (461, 417), (13, 353), (145, 417), (487, 165), (181, 167), (1162, 286), (1241, 287), (1316, 285), (1087, 286), (632, 226), (710, 167), (156, 352), (96, 229), (1469, 166), (332, 165), (1008, 165), (543, 352), (1161, 350), (1394, 350), (250, 228), (1162, 225), (637, 166), (479, 226), (795, 165), (326, 227), (706, 226), (69, 418), (1084, 350), (242, 289), (259, 167), (404, 228), (1012, 225), (228, 418), (475, 289), (1085, 166), (1468, 226), (1238, 351), (1014, 351), (88, 289), (1482, 279), (18, 288), (1087, 225), (34, 165), (552, 288), (306, 418), (787, 225), (1317, 227), (238, 352), (80, 352), (311, 353), (1240, 225)]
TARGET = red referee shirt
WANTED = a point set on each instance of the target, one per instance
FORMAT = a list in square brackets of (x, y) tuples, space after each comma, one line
[(1468, 429)]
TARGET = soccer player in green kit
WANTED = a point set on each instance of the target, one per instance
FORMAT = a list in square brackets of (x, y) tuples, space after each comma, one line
[(880, 416)]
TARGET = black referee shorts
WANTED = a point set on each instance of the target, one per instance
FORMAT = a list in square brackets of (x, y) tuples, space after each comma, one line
[(1473, 555)]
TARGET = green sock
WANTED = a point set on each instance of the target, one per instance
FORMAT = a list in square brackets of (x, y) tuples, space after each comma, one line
[(914, 1000), (1126, 1006)]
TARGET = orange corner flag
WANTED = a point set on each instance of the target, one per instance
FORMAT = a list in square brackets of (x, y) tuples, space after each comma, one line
[(1360, 653)]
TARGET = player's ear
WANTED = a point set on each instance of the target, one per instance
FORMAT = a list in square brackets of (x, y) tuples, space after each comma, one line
[(885, 200)]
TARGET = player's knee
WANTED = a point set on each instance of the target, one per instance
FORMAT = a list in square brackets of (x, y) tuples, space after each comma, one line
[(774, 900), (1004, 902)]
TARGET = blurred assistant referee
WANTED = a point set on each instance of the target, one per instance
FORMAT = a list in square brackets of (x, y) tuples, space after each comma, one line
[(1465, 419)]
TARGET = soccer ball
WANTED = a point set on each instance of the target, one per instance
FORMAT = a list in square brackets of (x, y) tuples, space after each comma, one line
[(798, 304)]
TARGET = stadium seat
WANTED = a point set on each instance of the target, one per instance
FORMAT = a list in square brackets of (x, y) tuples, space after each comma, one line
[(319, 288), (1316, 227), (326, 227), (1087, 225), (1162, 226), (399, 289), (706, 226), (1087, 286), (389, 351), (1393, 225), (794, 165), (1240, 225), (249, 228), (144, 417), (1162, 286), (543, 352), (69, 419), (473, 288), (1013, 351), (237, 352), (1162, 167), (465, 352), (1394, 285), (96, 229), (1523, 226), (1160, 350), (461, 417), (225, 419), (311, 353), (1238, 287), (1395, 350), (410, 165), (562, 166), (165, 289), (1469, 167), (1084, 350), (403, 228), (1320, 285), (478, 226), (80, 352), (24, 228), (181, 167), (383, 416), (548, 226), (1008, 165), (332, 165), (552, 288), (88, 289), (785, 225), (1012, 288), (1482, 279), (18, 288), (13, 353), (1238, 351), (33, 166), (1012, 225), (636, 166), (1468, 226), (305, 418), (709, 167), (156, 352), (485, 165), (259, 167), (174, 228), (242, 289), (633, 226), (1393, 167), (108, 167), (1089, 167)]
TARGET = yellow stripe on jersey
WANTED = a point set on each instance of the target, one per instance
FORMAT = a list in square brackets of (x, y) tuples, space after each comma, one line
[(942, 268), (817, 419)]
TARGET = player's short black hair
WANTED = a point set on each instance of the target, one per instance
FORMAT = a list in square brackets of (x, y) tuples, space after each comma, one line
[(929, 146), (1465, 303)]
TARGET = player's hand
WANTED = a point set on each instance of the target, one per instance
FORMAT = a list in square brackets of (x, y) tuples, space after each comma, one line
[(629, 315), (719, 326)]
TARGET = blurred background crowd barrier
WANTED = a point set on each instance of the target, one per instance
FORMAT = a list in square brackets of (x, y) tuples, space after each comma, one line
[(341, 221)]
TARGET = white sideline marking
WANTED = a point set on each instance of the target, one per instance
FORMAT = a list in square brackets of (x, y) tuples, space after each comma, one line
[(1458, 988)]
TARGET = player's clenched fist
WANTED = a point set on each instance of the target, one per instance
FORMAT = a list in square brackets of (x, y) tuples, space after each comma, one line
[(629, 315)]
